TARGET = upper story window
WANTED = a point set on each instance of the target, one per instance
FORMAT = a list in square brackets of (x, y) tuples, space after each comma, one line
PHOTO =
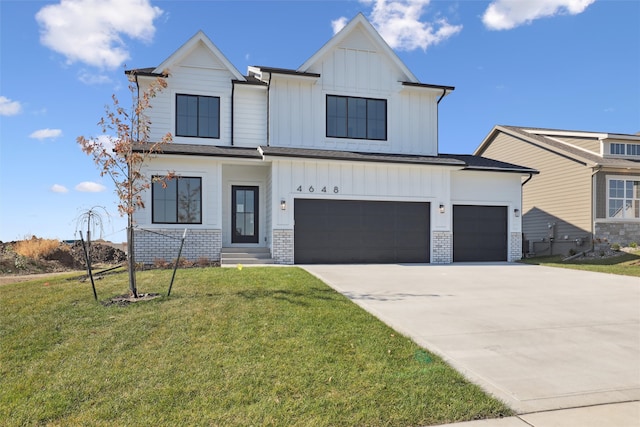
[(198, 116), (633, 149), (624, 149), (179, 201), (624, 198), (357, 118)]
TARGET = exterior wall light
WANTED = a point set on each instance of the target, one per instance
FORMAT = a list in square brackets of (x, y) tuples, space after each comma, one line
[(283, 204), (516, 212), (441, 208)]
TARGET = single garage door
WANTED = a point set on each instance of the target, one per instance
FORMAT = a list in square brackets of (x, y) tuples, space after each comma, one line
[(356, 231), (479, 233)]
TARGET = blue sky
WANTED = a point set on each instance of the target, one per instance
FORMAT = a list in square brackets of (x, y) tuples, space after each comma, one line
[(567, 64)]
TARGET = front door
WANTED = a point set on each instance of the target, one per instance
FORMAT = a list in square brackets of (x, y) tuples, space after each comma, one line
[(244, 214)]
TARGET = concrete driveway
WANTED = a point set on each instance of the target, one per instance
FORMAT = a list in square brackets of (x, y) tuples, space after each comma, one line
[(538, 338)]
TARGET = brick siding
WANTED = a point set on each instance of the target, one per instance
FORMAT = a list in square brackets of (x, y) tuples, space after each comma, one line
[(282, 250), (442, 247), (165, 243)]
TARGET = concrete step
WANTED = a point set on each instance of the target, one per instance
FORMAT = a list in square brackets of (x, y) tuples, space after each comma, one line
[(248, 250), (245, 256)]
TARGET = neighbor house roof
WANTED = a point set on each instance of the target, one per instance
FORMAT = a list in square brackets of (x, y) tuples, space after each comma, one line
[(554, 140)]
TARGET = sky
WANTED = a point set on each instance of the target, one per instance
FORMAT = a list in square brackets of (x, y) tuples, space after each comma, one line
[(563, 64)]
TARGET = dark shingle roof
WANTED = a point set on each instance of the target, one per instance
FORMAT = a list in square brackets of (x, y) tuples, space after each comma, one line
[(358, 156), (204, 150), (462, 161), (145, 72), (275, 70), (483, 163)]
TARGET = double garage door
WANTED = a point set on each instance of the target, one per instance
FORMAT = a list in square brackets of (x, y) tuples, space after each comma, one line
[(356, 231)]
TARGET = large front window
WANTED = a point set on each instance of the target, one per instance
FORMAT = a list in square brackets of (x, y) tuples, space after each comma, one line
[(624, 198), (198, 116), (177, 201), (358, 118)]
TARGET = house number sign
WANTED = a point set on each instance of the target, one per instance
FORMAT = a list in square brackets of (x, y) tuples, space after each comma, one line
[(312, 189)]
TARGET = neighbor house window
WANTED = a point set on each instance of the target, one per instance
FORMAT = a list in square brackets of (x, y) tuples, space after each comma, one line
[(624, 198), (633, 149), (177, 201), (358, 118), (616, 148), (198, 116), (624, 149)]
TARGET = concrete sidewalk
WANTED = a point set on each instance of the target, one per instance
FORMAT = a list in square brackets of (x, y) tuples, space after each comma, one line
[(538, 338), (612, 415)]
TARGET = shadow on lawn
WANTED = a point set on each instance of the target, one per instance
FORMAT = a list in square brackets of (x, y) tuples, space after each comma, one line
[(293, 297)]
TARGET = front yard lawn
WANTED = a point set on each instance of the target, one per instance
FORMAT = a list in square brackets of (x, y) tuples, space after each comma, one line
[(257, 346), (627, 264)]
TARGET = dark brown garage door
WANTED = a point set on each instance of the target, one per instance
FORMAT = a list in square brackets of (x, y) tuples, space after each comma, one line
[(355, 231), (479, 233)]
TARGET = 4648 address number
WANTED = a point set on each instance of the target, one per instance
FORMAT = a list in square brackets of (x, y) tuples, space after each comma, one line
[(312, 189)]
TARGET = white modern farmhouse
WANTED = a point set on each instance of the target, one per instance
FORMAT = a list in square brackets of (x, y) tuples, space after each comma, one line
[(334, 162)]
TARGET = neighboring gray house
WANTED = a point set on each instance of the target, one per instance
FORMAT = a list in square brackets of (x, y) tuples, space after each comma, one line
[(588, 189)]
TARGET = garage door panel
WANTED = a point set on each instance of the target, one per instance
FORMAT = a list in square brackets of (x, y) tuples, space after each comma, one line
[(479, 233), (339, 231)]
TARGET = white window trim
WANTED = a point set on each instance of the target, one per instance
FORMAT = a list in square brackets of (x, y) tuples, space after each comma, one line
[(608, 198)]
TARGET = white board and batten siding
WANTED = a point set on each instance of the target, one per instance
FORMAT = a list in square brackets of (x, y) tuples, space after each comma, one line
[(481, 188), (188, 166), (298, 104), (292, 179), (250, 116), (198, 73)]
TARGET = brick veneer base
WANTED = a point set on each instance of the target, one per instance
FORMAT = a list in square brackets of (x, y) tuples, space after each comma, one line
[(282, 250), (441, 247), (515, 247), (165, 243)]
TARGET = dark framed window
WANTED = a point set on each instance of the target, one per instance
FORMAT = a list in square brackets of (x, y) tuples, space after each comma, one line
[(198, 116), (357, 118), (178, 201)]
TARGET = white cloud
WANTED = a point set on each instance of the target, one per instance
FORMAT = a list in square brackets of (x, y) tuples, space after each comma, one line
[(508, 14), (46, 134), (9, 107), (339, 24), (90, 78), (90, 187), (57, 188), (400, 24), (91, 31)]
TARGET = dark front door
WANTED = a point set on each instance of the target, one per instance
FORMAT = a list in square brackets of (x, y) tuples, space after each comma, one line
[(244, 214)]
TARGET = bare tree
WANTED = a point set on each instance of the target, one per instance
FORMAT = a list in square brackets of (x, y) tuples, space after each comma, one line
[(123, 149)]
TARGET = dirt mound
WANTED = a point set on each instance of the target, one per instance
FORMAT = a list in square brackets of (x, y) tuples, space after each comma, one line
[(63, 258), (99, 254)]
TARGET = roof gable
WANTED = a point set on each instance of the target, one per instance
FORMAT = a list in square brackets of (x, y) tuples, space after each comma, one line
[(199, 52), (359, 34), (553, 141)]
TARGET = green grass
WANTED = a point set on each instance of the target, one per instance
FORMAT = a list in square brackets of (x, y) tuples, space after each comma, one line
[(260, 346), (627, 264)]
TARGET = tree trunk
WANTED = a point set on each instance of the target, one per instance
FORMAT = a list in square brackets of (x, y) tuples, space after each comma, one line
[(131, 262)]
